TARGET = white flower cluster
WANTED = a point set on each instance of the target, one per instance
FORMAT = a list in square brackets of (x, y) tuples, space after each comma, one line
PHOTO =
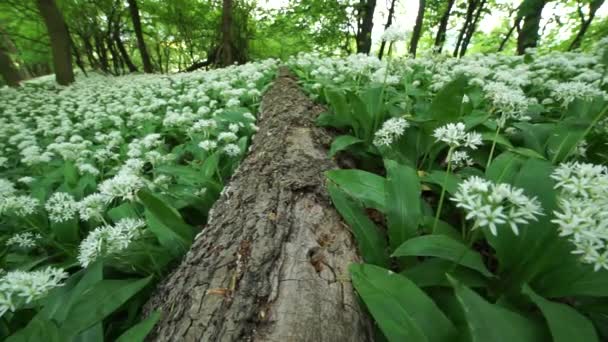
[(19, 287), (61, 207), (395, 33), (509, 101), (566, 92), (583, 210), (25, 240), (109, 240), (391, 130), (492, 205), (455, 135)]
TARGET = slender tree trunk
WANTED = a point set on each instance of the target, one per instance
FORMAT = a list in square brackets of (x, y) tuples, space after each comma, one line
[(389, 21), (472, 28), (116, 61), (585, 23), (226, 51), (366, 20), (141, 44), (123, 50), (505, 40), (102, 52), (467, 21), (88, 48), (60, 41), (443, 25), (9, 72), (528, 36), (77, 56), (417, 28), (272, 263)]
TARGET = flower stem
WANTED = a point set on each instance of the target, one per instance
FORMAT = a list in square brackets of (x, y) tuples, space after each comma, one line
[(442, 196), (493, 147)]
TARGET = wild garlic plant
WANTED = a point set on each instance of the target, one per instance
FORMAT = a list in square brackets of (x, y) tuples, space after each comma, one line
[(516, 143), (113, 177)]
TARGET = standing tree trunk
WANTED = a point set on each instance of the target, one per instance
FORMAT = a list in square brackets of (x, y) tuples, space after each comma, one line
[(9, 72), (226, 51), (467, 21), (123, 50), (594, 5), (389, 21), (366, 24), (60, 41), (417, 28), (471, 29), (78, 57), (141, 44), (272, 263), (505, 40), (531, 12), (102, 52), (443, 25)]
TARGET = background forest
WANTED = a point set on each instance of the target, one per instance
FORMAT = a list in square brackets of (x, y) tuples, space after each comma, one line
[(118, 37)]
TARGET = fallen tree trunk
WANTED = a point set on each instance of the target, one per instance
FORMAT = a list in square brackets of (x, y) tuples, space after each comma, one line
[(272, 264)]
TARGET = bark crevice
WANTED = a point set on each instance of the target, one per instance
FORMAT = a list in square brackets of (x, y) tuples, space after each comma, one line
[(271, 265)]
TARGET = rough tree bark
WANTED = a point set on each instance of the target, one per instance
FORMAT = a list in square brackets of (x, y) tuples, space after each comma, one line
[(9, 72), (531, 12), (141, 44), (593, 6), (271, 265), (417, 28), (389, 21), (60, 41), (443, 25), (226, 51), (366, 24)]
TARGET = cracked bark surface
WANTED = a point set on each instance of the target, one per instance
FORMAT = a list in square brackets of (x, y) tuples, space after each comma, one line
[(271, 265)]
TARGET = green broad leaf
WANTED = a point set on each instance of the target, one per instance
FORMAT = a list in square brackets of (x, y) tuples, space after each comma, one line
[(57, 306), (401, 309), (505, 167), (441, 246), (70, 174), (432, 272), (446, 105), (569, 277), (492, 322), (371, 241), (184, 174), (167, 237), (67, 231), (562, 143), (364, 186), (526, 152), (443, 179), (165, 214), (125, 210), (374, 104), (93, 334), (210, 166), (403, 192), (332, 120), (139, 331), (38, 329), (342, 143), (500, 139), (565, 323), (100, 301)]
